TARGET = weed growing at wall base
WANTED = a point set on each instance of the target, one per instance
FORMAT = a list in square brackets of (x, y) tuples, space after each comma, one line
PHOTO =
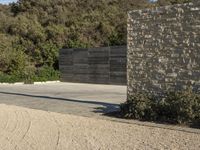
[(182, 107)]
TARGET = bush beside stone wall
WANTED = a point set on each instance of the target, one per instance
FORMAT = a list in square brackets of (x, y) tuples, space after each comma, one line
[(182, 107)]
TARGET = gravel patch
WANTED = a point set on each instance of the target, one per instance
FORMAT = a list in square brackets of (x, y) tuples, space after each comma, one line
[(24, 129)]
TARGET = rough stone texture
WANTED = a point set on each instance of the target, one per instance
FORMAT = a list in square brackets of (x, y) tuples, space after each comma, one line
[(105, 65), (164, 48)]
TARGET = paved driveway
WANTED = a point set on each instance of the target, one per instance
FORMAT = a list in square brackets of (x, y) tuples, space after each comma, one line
[(69, 98)]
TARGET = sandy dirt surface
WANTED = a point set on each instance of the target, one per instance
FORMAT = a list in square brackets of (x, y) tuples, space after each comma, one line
[(28, 129)]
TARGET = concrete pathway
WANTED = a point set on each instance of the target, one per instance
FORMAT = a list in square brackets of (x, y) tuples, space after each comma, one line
[(28, 129), (89, 100)]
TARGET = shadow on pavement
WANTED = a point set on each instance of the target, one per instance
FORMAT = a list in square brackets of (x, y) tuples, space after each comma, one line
[(104, 107), (113, 112)]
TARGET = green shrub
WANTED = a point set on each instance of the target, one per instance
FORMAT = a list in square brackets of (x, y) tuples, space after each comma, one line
[(140, 106), (196, 109), (31, 75), (179, 107), (76, 44), (47, 74), (5, 78), (182, 107)]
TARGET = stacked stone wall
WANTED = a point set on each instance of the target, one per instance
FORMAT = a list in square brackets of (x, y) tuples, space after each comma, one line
[(164, 49)]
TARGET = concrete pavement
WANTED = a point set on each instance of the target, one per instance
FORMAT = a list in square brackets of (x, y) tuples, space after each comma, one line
[(89, 100)]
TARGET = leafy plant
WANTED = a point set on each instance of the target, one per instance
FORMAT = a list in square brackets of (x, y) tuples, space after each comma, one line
[(140, 106), (47, 73), (181, 107), (5, 78)]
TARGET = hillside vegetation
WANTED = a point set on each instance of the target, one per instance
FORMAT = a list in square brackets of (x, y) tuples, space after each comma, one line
[(32, 32)]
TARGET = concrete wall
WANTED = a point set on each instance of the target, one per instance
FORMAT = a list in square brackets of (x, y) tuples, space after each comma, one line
[(164, 48), (106, 65)]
